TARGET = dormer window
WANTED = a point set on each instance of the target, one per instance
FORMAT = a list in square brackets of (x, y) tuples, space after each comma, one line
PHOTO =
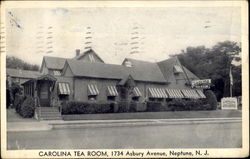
[(177, 69), (91, 57), (57, 72), (128, 63)]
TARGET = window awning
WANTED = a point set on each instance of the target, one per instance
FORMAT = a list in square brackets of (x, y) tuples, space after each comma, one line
[(189, 93), (92, 89), (136, 92), (201, 94), (174, 93), (157, 93), (63, 88), (112, 91)]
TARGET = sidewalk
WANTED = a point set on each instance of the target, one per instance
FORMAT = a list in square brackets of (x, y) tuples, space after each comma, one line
[(60, 124), (16, 123)]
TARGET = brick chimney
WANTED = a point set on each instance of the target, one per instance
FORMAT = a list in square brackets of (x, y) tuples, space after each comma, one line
[(77, 52)]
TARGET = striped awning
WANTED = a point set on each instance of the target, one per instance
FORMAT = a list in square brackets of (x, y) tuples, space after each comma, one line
[(190, 93), (174, 93), (111, 91), (200, 93), (92, 89), (63, 88), (157, 93), (136, 92)]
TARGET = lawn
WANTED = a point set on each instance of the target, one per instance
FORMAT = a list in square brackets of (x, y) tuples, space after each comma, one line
[(157, 115)]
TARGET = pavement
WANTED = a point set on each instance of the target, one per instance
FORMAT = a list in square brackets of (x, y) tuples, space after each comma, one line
[(16, 123), (60, 124)]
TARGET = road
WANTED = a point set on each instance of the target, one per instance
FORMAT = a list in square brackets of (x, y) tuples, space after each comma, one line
[(209, 135)]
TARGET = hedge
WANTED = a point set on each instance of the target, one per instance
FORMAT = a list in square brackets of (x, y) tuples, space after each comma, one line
[(211, 99), (77, 107), (19, 99), (27, 109), (156, 106)]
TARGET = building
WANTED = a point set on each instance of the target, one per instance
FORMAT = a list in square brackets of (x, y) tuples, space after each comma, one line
[(87, 78)]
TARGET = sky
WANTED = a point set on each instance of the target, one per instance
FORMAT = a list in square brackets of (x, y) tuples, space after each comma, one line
[(161, 31)]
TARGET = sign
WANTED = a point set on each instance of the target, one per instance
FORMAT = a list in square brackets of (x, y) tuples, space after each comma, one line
[(205, 83), (229, 103)]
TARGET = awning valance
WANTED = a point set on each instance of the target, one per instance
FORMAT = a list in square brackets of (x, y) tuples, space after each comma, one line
[(136, 92), (63, 88), (189, 93), (201, 94), (157, 93), (92, 89), (174, 93), (112, 91)]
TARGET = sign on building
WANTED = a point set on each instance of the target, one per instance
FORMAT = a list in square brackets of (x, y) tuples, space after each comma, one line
[(229, 103), (205, 83)]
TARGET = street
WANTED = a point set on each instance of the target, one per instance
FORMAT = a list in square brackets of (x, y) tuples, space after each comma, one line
[(205, 135)]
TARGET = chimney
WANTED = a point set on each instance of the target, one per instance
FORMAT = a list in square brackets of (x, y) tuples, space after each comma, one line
[(77, 52)]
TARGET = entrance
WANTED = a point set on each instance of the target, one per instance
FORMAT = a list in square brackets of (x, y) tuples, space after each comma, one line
[(44, 94)]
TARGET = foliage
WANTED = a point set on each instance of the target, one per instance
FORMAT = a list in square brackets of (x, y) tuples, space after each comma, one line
[(188, 104), (214, 63), (123, 106), (27, 108), (211, 99), (155, 106), (14, 62), (77, 107), (18, 102)]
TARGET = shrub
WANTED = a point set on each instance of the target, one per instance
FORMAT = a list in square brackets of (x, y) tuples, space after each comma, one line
[(155, 106), (28, 108), (103, 108), (19, 99), (133, 106), (77, 107), (211, 99), (123, 107), (177, 104), (188, 104)]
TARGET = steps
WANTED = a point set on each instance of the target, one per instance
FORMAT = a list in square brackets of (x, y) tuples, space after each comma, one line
[(48, 113)]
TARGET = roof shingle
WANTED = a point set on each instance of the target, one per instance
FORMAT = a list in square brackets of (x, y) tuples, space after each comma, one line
[(22, 73)]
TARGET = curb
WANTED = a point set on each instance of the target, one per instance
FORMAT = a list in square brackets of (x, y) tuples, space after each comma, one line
[(138, 123)]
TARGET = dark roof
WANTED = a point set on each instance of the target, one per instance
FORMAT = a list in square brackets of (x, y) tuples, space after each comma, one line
[(146, 72), (97, 70), (22, 73), (54, 62), (166, 68), (86, 52)]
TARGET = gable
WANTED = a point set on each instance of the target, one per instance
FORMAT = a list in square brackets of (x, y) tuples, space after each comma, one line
[(89, 56), (173, 70), (67, 72)]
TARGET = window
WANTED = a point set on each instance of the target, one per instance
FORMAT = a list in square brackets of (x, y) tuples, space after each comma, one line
[(92, 97), (136, 99), (152, 99), (57, 73), (111, 98), (177, 69)]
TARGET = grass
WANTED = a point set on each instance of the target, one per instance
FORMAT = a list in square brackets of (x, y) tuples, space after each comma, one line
[(157, 115)]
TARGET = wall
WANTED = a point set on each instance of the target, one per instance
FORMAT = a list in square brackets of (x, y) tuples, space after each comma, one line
[(81, 85)]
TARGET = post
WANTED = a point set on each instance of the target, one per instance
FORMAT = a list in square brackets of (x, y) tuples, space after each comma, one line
[(231, 92)]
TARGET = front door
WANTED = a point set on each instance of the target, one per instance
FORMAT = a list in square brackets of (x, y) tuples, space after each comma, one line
[(44, 94)]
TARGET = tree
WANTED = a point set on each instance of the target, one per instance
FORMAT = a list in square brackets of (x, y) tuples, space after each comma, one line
[(215, 63), (14, 62)]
